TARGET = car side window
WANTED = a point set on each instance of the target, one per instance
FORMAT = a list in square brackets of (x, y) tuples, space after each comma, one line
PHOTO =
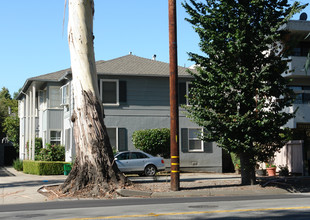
[(123, 156), (140, 155)]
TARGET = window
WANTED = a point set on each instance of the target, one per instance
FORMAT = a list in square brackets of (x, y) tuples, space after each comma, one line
[(123, 156), (42, 99), (55, 137), (194, 139), (302, 94), (65, 94), (302, 49), (109, 91), (54, 97), (112, 132), (188, 95), (138, 155)]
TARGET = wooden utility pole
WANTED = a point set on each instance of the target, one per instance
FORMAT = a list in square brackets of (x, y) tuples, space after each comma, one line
[(174, 106)]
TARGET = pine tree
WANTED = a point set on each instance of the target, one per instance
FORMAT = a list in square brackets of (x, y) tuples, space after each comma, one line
[(239, 92)]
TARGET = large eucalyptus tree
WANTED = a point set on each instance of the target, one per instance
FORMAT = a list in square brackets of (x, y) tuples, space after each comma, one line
[(94, 170)]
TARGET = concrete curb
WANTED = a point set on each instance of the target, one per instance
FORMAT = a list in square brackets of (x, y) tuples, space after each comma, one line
[(189, 193), (133, 193)]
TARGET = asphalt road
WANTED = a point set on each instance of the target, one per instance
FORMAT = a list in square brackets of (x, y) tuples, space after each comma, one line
[(290, 206)]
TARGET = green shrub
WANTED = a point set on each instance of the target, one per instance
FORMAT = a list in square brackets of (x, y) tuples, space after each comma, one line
[(18, 165), (44, 167), (236, 161), (52, 153), (153, 141), (38, 147)]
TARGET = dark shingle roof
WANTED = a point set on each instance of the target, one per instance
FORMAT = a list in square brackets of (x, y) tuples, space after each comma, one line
[(125, 65), (134, 65), (55, 76), (129, 65)]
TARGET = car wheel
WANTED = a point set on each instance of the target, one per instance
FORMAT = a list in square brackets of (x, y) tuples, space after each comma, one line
[(150, 170)]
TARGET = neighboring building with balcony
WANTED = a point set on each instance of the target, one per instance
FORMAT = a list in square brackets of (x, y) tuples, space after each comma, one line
[(296, 154), (135, 96)]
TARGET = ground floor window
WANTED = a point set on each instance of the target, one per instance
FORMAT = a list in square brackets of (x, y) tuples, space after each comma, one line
[(194, 140), (55, 137)]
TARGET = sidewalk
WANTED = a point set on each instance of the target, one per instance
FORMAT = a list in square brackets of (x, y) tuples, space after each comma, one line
[(17, 187)]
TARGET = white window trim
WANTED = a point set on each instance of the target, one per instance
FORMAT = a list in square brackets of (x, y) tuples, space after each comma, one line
[(117, 91), (49, 133), (62, 98), (187, 91), (116, 137), (201, 141)]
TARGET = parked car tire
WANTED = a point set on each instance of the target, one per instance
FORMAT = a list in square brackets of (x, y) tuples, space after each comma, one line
[(150, 170)]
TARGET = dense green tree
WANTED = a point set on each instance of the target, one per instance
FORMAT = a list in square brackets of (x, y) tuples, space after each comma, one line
[(238, 93), (9, 121), (4, 98)]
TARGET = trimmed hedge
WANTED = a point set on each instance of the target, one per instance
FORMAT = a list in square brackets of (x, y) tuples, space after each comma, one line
[(43, 167)]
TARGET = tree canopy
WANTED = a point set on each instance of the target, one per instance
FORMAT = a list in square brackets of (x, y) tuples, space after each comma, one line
[(239, 91), (9, 121)]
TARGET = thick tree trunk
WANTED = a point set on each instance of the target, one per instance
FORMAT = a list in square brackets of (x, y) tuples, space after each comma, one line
[(94, 171), (247, 169)]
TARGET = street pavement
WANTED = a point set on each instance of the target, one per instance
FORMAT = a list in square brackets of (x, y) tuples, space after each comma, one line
[(17, 187)]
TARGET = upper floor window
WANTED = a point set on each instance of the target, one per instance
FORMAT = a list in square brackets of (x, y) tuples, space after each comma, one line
[(54, 97), (65, 94), (188, 95), (184, 89), (302, 49), (302, 94), (42, 100), (109, 91)]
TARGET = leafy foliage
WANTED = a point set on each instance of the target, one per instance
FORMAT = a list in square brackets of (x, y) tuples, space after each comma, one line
[(52, 153), (38, 147), (239, 92), (9, 121), (18, 165), (153, 141)]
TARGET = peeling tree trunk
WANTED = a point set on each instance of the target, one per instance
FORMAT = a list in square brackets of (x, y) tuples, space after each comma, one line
[(94, 171)]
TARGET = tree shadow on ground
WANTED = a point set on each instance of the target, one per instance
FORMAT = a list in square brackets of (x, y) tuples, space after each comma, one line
[(31, 183), (259, 215), (298, 184), (209, 187), (4, 172)]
